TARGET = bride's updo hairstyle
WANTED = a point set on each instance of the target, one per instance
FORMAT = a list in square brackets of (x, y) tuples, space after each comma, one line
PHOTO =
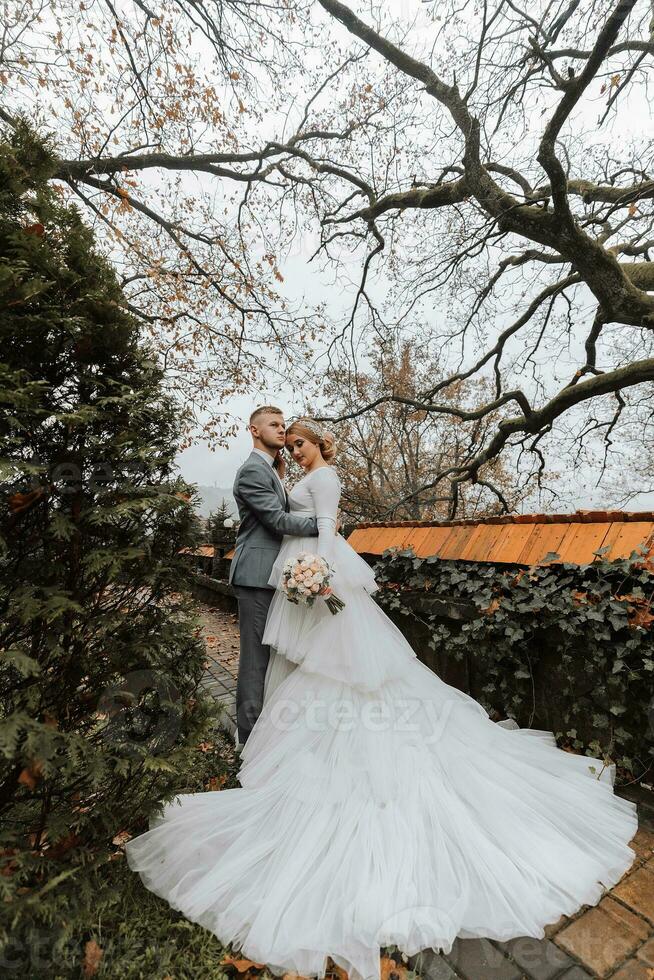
[(315, 433)]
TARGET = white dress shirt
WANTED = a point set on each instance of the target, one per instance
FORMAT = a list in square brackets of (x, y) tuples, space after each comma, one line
[(268, 458)]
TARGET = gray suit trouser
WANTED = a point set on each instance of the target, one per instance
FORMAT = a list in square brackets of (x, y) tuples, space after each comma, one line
[(253, 606)]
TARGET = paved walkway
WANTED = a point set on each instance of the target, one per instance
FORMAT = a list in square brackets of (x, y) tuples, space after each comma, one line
[(220, 630), (614, 939)]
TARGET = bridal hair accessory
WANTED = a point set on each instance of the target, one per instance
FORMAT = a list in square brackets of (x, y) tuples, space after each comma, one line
[(304, 576), (315, 427)]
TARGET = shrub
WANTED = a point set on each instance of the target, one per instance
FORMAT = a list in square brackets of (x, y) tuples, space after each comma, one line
[(100, 655)]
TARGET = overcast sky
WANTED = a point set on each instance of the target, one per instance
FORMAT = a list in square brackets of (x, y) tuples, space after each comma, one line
[(303, 280)]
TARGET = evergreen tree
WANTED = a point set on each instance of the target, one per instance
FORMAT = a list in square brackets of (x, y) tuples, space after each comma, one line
[(100, 655), (216, 522)]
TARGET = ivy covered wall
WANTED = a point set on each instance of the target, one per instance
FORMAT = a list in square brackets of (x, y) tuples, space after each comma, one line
[(560, 647)]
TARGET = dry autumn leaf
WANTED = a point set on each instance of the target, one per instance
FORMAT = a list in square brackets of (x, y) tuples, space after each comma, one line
[(641, 617), (121, 838), (336, 971), (240, 964), (390, 970), (216, 782), (31, 774), (93, 954), (19, 502), (62, 846), (7, 865)]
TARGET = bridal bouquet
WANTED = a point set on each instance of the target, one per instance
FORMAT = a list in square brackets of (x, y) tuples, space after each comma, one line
[(304, 576)]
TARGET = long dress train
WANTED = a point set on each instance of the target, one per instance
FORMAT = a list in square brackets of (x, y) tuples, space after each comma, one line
[(380, 806)]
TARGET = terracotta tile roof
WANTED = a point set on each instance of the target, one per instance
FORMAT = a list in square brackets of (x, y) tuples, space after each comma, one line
[(522, 539), (204, 551)]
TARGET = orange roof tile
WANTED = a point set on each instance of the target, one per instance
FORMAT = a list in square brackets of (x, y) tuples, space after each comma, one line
[(205, 551), (523, 539)]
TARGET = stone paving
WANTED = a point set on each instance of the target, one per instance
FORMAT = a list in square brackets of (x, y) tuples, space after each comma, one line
[(220, 631), (613, 939)]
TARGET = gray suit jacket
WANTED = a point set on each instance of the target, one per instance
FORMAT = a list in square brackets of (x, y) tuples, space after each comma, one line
[(263, 509)]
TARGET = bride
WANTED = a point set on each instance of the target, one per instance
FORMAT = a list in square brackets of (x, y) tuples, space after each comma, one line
[(378, 805)]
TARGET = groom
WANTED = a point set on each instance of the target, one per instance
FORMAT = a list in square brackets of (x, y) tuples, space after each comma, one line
[(263, 510)]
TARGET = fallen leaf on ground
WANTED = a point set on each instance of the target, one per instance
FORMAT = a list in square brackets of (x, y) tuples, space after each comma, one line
[(121, 838), (390, 970), (336, 971), (217, 782), (92, 957), (240, 964), (62, 846)]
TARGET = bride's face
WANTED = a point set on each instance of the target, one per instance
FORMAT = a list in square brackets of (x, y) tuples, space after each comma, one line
[(302, 450)]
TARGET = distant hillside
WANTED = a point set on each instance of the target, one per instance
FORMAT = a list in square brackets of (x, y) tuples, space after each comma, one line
[(212, 497)]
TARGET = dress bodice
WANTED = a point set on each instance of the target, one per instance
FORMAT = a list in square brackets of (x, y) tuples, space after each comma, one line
[(317, 493)]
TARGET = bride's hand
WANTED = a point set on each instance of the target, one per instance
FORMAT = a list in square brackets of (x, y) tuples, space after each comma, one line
[(280, 465)]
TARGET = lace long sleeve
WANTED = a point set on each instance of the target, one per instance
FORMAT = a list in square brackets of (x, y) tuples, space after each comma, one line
[(325, 489)]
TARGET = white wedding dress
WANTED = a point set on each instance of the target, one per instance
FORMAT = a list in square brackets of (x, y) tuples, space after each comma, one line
[(380, 806)]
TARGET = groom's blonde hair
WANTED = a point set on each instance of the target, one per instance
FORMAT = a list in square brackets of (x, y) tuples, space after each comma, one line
[(264, 410)]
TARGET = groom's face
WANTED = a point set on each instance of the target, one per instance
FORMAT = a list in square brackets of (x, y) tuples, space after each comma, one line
[(271, 430)]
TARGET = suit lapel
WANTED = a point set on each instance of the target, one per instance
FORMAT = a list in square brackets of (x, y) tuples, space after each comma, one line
[(281, 492)]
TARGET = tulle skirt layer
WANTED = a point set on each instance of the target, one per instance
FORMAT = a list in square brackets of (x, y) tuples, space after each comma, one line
[(344, 644), (385, 812)]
